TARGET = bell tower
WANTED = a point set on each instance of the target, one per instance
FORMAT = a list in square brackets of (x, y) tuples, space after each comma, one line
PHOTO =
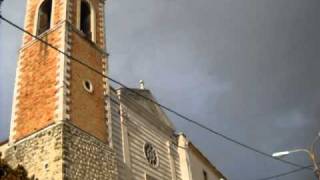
[(59, 123), (52, 87)]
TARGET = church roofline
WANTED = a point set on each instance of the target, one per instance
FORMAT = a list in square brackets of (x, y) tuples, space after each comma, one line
[(134, 89), (203, 157), (147, 94)]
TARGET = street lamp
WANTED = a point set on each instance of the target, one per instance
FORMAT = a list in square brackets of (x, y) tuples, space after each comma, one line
[(311, 153)]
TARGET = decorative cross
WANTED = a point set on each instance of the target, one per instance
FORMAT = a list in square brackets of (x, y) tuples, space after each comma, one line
[(141, 82)]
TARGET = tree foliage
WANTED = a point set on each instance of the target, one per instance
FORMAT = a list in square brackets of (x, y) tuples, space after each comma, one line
[(9, 173)]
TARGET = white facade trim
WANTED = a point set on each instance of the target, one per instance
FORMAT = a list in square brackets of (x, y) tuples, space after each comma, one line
[(15, 101), (26, 20), (124, 134), (61, 71), (171, 159), (184, 161)]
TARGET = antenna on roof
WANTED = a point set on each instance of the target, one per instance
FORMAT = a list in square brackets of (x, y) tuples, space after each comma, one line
[(141, 84)]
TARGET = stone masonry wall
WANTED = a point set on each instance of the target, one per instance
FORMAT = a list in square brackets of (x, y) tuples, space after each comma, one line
[(40, 154), (63, 151), (86, 157)]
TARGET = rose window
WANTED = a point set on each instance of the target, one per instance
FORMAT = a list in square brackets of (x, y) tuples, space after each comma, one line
[(151, 154)]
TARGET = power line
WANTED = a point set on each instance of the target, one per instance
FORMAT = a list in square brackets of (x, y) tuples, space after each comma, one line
[(160, 105), (151, 100), (287, 173)]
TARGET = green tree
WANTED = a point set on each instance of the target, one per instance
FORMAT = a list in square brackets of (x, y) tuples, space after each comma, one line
[(9, 173)]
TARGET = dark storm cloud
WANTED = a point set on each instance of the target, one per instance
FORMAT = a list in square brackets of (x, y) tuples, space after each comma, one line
[(247, 68)]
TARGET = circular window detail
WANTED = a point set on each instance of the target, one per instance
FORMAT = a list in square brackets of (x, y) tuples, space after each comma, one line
[(87, 85), (151, 154)]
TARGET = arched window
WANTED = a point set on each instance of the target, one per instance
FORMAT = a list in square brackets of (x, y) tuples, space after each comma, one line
[(44, 16), (85, 19)]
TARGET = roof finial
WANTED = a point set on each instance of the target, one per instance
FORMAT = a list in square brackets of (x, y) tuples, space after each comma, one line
[(141, 84)]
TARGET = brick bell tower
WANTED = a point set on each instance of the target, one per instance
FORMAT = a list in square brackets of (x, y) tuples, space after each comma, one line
[(59, 125)]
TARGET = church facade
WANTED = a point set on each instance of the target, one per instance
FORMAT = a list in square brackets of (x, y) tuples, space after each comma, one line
[(67, 121)]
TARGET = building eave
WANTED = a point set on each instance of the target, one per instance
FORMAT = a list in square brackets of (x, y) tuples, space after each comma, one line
[(193, 148)]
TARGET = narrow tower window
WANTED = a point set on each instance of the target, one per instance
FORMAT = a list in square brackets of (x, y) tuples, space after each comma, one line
[(85, 19), (44, 17), (205, 175)]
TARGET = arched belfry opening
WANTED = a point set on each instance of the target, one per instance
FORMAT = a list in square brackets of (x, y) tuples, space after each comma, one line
[(44, 16), (85, 19)]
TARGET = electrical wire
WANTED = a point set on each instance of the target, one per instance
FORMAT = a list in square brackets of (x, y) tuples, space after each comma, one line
[(287, 173), (151, 100)]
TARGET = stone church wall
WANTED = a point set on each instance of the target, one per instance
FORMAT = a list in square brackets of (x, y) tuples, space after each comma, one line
[(63, 151), (176, 158), (134, 123), (40, 153), (141, 131), (86, 157), (116, 136)]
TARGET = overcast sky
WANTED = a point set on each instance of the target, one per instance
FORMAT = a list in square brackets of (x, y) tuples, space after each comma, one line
[(246, 68)]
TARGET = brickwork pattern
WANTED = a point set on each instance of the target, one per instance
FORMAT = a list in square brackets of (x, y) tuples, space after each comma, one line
[(85, 105), (49, 85), (38, 85), (31, 13), (36, 99), (81, 105)]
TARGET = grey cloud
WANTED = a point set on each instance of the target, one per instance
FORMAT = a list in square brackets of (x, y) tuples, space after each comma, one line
[(247, 68)]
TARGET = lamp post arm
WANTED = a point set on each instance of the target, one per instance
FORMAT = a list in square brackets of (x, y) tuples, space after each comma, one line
[(301, 150), (312, 158), (310, 154), (312, 147), (313, 152)]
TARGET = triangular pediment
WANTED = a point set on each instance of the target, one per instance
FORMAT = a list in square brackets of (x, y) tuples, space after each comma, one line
[(142, 97)]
